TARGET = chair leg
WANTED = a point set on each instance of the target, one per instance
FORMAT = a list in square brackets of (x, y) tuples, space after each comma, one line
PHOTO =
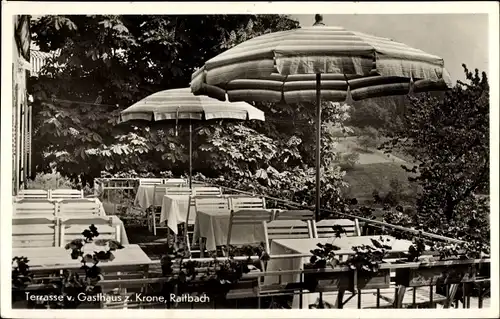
[(154, 223), (150, 223)]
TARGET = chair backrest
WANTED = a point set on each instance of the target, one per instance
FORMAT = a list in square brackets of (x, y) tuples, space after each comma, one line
[(286, 229), (72, 228), (78, 207), (65, 193), (34, 206), (324, 228), (195, 184), (207, 191), (33, 193), (150, 181), (248, 217), (302, 214), (211, 203), (178, 191), (175, 182), (35, 232), (191, 213), (247, 202)]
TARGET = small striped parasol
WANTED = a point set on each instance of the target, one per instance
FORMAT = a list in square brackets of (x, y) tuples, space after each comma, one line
[(181, 104)]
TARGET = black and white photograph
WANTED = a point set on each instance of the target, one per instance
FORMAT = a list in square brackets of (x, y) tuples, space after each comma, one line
[(216, 159)]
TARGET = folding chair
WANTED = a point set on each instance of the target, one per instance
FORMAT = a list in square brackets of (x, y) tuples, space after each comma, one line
[(178, 191), (150, 181), (324, 228), (33, 193), (301, 214), (246, 202), (30, 232), (72, 228), (249, 217), (195, 184), (65, 193), (154, 215), (206, 203), (207, 191), (285, 229), (78, 207), (32, 207), (191, 215), (175, 182)]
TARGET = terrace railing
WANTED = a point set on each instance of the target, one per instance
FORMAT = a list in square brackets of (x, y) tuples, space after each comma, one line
[(451, 283)]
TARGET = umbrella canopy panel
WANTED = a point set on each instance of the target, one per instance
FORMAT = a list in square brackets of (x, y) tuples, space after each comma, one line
[(281, 66), (182, 104)]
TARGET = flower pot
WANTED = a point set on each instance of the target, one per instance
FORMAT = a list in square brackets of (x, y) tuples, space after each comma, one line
[(215, 288), (323, 281), (430, 275)]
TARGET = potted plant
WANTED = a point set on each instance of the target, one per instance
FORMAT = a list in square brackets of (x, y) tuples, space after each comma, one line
[(216, 278), (452, 266), (67, 284), (362, 269)]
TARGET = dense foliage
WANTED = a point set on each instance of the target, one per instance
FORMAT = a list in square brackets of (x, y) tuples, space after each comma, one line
[(104, 64), (449, 140)]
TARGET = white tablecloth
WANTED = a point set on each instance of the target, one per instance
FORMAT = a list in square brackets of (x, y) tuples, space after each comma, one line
[(144, 196), (174, 210), (58, 256), (123, 232), (214, 226), (304, 246)]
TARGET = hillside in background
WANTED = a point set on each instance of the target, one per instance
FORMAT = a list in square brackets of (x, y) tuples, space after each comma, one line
[(373, 171), (381, 112)]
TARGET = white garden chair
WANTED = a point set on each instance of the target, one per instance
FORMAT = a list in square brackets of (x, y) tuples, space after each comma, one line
[(65, 193)]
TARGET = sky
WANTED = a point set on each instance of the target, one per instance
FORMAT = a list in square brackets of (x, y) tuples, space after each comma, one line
[(457, 38)]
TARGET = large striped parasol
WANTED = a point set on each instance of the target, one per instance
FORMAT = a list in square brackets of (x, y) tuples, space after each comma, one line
[(317, 62), (181, 104)]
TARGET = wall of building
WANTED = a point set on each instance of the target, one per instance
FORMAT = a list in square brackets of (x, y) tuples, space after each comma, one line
[(20, 109)]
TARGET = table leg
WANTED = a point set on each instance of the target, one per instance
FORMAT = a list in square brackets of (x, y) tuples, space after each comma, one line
[(340, 299), (200, 243), (451, 295), (400, 294)]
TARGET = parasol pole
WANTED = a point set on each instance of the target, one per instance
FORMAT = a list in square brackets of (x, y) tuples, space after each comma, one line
[(318, 145), (190, 153), (318, 22)]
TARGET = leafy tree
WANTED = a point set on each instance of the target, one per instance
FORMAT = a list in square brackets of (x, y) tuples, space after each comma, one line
[(104, 64), (369, 138), (449, 139)]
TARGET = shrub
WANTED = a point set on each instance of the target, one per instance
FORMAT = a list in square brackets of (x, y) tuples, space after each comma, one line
[(348, 160), (367, 142), (369, 138), (50, 181), (391, 199)]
